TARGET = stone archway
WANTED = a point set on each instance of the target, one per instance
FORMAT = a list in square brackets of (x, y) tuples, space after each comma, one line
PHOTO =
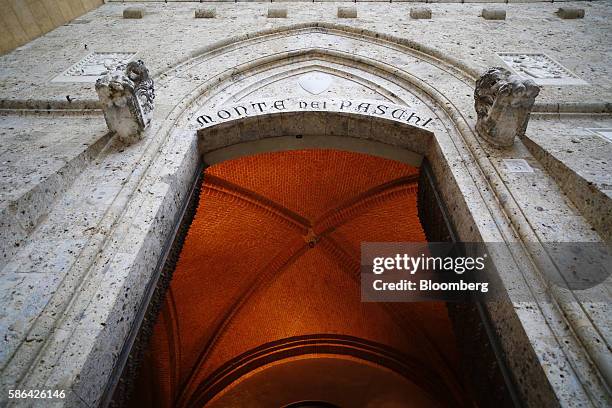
[(310, 226), (298, 130), (141, 224)]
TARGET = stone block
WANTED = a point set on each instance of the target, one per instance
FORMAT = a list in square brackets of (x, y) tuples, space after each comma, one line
[(569, 13), (493, 14), (419, 13), (209, 12), (347, 12), (277, 12), (126, 94), (133, 12), (503, 102)]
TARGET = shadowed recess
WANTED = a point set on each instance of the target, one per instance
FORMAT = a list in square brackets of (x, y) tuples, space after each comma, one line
[(272, 254)]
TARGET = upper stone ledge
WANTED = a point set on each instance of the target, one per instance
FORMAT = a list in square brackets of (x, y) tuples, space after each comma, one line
[(456, 30), (48, 142), (40, 157), (580, 160)]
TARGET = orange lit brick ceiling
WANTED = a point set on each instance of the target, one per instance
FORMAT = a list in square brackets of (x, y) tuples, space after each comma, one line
[(273, 252)]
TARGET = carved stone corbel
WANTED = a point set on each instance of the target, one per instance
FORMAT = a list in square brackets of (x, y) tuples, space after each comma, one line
[(127, 94), (503, 102)]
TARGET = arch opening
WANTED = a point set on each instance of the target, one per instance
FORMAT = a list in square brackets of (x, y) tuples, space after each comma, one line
[(288, 132), (273, 249)]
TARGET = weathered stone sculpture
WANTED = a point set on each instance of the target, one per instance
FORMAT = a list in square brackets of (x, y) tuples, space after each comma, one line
[(127, 94), (503, 102)]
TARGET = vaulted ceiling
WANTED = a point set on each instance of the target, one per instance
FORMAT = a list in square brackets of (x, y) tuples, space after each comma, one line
[(273, 252)]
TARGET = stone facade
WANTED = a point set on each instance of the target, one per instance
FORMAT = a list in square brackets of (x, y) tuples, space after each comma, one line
[(85, 218)]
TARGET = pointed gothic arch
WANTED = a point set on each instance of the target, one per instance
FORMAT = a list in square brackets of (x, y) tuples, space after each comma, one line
[(165, 168)]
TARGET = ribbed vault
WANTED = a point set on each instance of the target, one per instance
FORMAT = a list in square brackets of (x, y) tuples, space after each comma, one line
[(273, 253)]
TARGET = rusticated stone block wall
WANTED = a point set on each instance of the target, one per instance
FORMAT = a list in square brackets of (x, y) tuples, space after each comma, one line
[(24, 20)]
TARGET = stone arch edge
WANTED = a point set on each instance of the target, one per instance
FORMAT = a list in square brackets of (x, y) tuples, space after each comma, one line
[(413, 46)]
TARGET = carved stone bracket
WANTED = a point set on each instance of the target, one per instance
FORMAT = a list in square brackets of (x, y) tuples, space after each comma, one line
[(127, 94), (503, 102)]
